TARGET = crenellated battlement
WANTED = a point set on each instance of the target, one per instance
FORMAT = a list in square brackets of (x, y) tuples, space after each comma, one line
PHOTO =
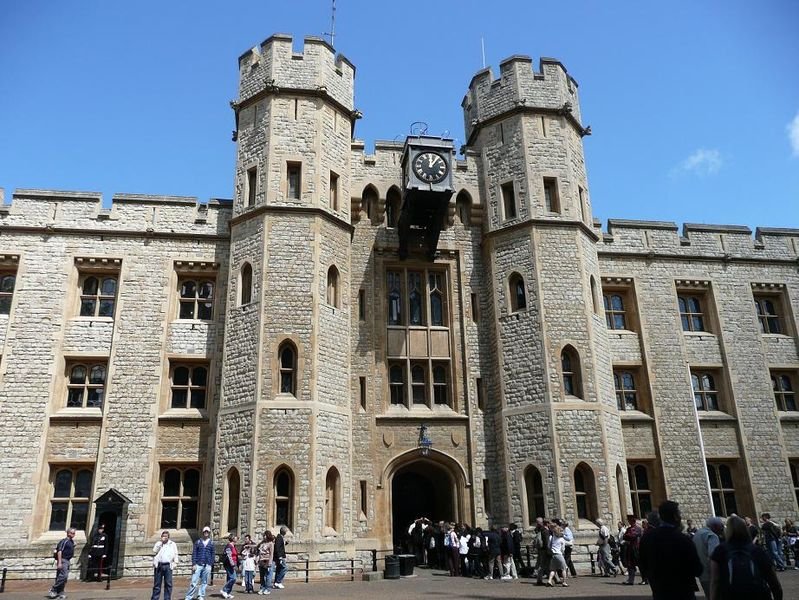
[(56, 210), (519, 87), (274, 66), (725, 242)]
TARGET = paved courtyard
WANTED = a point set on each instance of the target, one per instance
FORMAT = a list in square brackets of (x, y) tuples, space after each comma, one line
[(435, 584)]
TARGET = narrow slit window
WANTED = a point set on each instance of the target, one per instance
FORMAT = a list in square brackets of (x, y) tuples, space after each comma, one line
[(362, 391), (252, 186), (294, 180), (509, 200), (551, 198), (333, 191)]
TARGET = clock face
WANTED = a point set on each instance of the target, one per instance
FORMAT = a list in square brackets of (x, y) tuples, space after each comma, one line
[(430, 167)]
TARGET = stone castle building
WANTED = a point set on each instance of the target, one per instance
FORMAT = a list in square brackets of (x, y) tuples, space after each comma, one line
[(359, 339)]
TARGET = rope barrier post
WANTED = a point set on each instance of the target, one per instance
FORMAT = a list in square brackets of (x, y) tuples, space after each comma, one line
[(108, 579), (374, 559), (3, 581), (306, 570), (352, 569)]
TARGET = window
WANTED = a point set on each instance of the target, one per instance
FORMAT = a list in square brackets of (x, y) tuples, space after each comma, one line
[(626, 391), (594, 300), (769, 313), (7, 282), (487, 495), (691, 312), (436, 295), (440, 387), (615, 316), (71, 490), (232, 494), (475, 308), (86, 385), (584, 492), (640, 489), (333, 191), (188, 385), (362, 392), (419, 294), (794, 464), (706, 394), (570, 370), (196, 299), (98, 296), (551, 198), (534, 488), (508, 200), (784, 395), (294, 180), (583, 207), (393, 207), (333, 296), (287, 357), (722, 489), (364, 504), (369, 202), (252, 186), (245, 284), (333, 500), (180, 497), (397, 384), (481, 400), (284, 497), (361, 305), (518, 293), (394, 286), (463, 208), (418, 384)]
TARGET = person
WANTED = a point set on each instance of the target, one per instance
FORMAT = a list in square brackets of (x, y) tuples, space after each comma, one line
[(280, 557), (568, 537), (98, 552), (494, 552), (230, 559), (603, 545), (668, 559), (506, 549), (463, 551), (772, 538), (202, 561), (706, 540), (754, 530), (266, 565), (631, 540), (541, 542), (792, 535), (164, 562), (517, 546), (248, 567), (741, 570), (451, 542), (557, 564), (64, 552), (690, 530), (475, 553)]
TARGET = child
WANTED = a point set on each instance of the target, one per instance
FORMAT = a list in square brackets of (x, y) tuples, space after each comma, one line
[(249, 571)]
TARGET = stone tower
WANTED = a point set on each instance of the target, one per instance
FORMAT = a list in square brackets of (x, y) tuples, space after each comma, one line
[(284, 427), (558, 408)]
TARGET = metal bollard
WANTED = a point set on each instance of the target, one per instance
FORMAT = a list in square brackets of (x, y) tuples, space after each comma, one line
[(306, 570), (374, 559), (352, 569), (108, 580), (3, 581)]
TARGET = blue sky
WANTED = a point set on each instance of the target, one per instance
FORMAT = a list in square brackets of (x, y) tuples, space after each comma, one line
[(694, 105)]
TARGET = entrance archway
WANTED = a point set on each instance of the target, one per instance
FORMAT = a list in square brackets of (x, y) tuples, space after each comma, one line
[(422, 488)]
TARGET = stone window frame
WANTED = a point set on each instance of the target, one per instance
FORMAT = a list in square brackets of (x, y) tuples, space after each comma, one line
[(195, 300), (191, 386), (101, 269), (393, 207), (88, 384), (199, 272), (722, 490), (534, 496), (708, 388), (783, 385), (244, 287), (231, 502), (695, 301), (287, 370), (585, 492), (463, 207), (333, 288), (71, 499), (293, 166), (250, 186), (370, 203), (517, 293), (284, 499), (8, 281), (772, 309), (571, 374), (551, 195), (508, 196), (332, 511), (334, 190), (624, 289), (182, 498), (622, 390), (637, 491), (364, 500)]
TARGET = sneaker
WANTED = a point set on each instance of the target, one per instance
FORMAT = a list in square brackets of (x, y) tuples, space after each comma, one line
[(224, 594), (279, 586), (507, 577), (51, 594), (61, 597)]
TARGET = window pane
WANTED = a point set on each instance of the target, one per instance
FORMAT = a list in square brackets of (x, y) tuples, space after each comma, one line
[(698, 323), (282, 512), (95, 399), (75, 397), (180, 376), (708, 383), (83, 483), (188, 518), (205, 311), (774, 325), (579, 483), (729, 503), (713, 476), (62, 484), (198, 398), (286, 383), (206, 290), (87, 306), (109, 287), (726, 476), (7, 284), (566, 362), (97, 374), (77, 374), (619, 322), (568, 384), (106, 308), (717, 508), (187, 310), (582, 507), (396, 374), (645, 502), (686, 326), (641, 478), (693, 305), (80, 512), (417, 374), (199, 376), (628, 381), (521, 297), (58, 516), (415, 298), (617, 303), (172, 482), (188, 289), (191, 483), (179, 397), (287, 358), (169, 514), (436, 310), (790, 401), (5, 305), (439, 375), (90, 286), (283, 484)]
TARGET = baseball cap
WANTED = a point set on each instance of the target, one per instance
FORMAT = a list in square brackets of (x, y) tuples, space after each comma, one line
[(206, 528)]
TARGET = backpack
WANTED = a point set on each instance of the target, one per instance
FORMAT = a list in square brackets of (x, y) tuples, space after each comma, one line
[(744, 577), (447, 540)]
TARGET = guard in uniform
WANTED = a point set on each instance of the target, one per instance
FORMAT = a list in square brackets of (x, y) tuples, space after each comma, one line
[(97, 555)]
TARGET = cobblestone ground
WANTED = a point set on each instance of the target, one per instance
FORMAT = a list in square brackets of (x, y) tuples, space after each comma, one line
[(434, 584)]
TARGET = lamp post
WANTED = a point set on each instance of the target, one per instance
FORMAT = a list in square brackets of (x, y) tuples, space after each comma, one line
[(425, 443)]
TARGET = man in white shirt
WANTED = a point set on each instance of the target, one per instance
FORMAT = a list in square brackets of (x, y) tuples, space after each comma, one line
[(164, 561)]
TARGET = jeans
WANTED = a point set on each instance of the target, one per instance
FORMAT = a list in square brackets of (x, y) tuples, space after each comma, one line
[(61, 576), (631, 575), (280, 569), (567, 556), (267, 575), (230, 571), (249, 577), (510, 566), (198, 577), (775, 549), (163, 573)]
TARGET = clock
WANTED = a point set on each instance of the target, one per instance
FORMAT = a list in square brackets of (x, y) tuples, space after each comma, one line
[(430, 167)]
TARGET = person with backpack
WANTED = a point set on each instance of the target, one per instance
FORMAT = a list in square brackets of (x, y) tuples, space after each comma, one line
[(740, 570), (62, 554), (494, 552), (604, 549), (772, 538), (230, 560)]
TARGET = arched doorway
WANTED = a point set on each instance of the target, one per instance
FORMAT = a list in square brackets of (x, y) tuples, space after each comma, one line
[(422, 488)]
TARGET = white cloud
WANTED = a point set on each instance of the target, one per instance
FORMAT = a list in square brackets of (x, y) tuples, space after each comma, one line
[(793, 134), (701, 162)]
